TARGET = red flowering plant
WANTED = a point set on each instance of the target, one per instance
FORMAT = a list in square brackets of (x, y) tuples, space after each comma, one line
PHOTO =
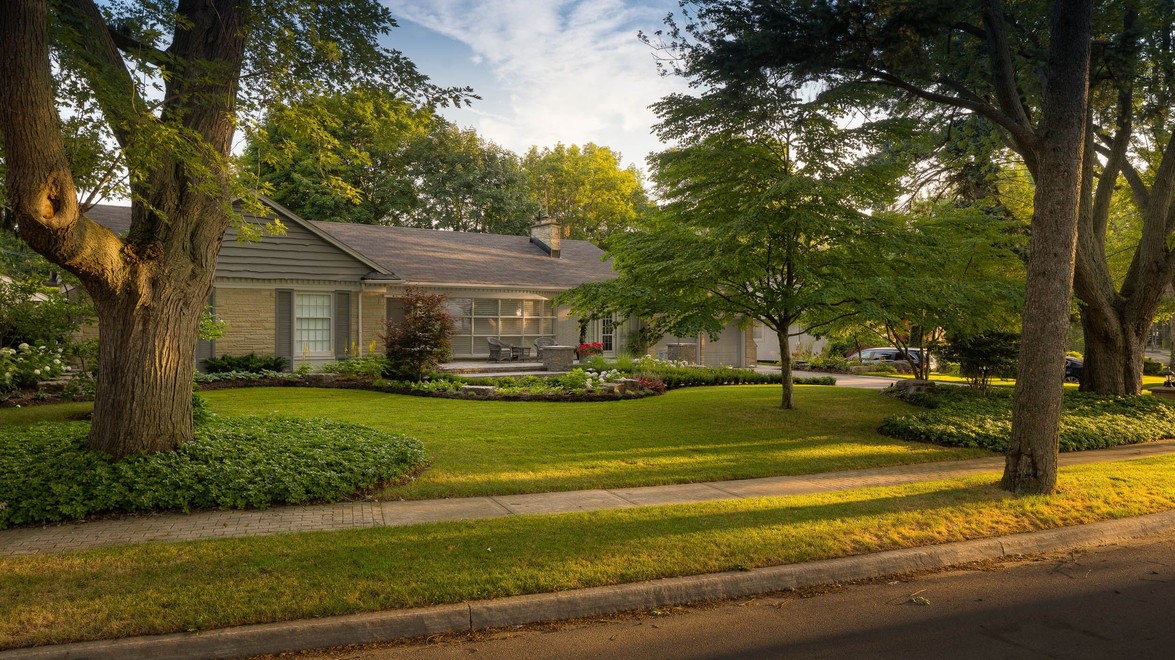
[(588, 350)]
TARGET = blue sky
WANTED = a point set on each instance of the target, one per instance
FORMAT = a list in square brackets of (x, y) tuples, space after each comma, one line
[(548, 71)]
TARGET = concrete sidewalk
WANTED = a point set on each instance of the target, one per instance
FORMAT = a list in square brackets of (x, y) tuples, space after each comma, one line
[(352, 515)]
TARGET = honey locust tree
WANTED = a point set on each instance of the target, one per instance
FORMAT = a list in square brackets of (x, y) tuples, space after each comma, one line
[(170, 79), (1023, 66)]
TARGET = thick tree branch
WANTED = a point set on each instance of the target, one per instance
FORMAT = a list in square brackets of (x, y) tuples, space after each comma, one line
[(1003, 72), (97, 55), (1024, 138), (1138, 187), (40, 186)]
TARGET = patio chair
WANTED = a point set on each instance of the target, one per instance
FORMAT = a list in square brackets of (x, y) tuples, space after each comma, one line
[(500, 351), (541, 343)]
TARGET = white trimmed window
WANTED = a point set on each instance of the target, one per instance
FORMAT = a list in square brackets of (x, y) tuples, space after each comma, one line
[(312, 321)]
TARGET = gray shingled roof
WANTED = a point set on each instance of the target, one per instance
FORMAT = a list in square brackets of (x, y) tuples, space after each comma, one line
[(427, 256), (115, 218)]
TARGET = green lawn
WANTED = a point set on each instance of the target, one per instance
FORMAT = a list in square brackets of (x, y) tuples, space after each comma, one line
[(687, 435), (167, 587)]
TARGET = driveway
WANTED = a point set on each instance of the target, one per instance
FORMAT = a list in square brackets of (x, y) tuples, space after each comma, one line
[(843, 380)]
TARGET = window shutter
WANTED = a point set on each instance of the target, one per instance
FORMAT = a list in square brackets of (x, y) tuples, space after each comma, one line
[(284, 324), (342, 323), (395, 310)]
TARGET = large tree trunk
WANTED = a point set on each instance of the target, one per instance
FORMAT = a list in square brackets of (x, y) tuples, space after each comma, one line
[(1114, 350), (145, 368), (785, 367), (1031, 464)]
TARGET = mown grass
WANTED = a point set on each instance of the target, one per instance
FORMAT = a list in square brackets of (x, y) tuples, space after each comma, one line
[(689, 435), (57, 412), (159, 588), (696, 434)]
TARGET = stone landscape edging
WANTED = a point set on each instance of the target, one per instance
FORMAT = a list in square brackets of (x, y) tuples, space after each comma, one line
[(272, 638)]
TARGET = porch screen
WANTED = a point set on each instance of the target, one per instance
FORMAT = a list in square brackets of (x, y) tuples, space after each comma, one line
[(516, 321)]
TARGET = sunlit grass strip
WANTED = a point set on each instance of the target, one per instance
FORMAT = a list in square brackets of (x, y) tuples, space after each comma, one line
[(190, 586), (689, 435)]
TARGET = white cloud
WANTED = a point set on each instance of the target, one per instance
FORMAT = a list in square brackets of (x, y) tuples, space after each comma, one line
[(566, 70)]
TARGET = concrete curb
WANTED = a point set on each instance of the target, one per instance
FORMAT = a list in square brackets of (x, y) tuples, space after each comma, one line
[(384, 626)]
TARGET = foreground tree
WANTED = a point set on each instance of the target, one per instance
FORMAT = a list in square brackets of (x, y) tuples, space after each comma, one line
[(960, 57), (166, 78)]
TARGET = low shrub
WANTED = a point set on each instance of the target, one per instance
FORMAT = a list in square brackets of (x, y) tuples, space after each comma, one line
[(833, 362), (815, 380), (369, 368), (963, 418), (252, 363), (25, 366), (651, 384), (244, 375), (1152, 367), (47, 474)]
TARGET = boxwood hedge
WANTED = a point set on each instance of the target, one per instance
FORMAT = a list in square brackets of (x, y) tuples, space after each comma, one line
[(959, 417), (47, 474)]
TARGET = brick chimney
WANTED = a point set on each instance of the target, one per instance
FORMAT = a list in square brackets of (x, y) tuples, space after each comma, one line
[(546, 233)]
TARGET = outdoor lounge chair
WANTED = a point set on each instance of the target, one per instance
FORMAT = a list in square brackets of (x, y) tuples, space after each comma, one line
[(500, 351), (541, 343)]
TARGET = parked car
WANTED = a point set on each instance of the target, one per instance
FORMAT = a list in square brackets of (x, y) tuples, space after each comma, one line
[(1073, 368), (889, 355)]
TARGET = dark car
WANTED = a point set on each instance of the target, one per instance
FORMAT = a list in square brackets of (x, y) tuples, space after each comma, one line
[(1073, 370)]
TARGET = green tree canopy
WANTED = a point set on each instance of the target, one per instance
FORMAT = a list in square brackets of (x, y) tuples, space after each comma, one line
[(372, 157), (757, 210), (586, 190)]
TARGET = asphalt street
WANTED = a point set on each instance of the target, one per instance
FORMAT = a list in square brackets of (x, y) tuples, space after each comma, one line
[(1111, 602)]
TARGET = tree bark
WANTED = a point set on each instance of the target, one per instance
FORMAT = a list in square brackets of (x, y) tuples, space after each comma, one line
[(1031, 464), (1114, 351), (785, 366)]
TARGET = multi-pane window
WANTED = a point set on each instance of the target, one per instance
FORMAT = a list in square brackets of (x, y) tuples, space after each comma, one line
[(608, 333), (312, 323), (515, 321)]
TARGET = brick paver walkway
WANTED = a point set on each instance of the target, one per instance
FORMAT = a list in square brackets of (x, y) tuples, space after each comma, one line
[(350, 515)]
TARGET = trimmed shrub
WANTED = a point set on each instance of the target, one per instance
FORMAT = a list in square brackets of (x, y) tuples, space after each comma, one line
[(47, 474), (251, 363), (1152, 367), (962, 418), (244, 375), (423, 340), (368, 369), (984, 356)]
